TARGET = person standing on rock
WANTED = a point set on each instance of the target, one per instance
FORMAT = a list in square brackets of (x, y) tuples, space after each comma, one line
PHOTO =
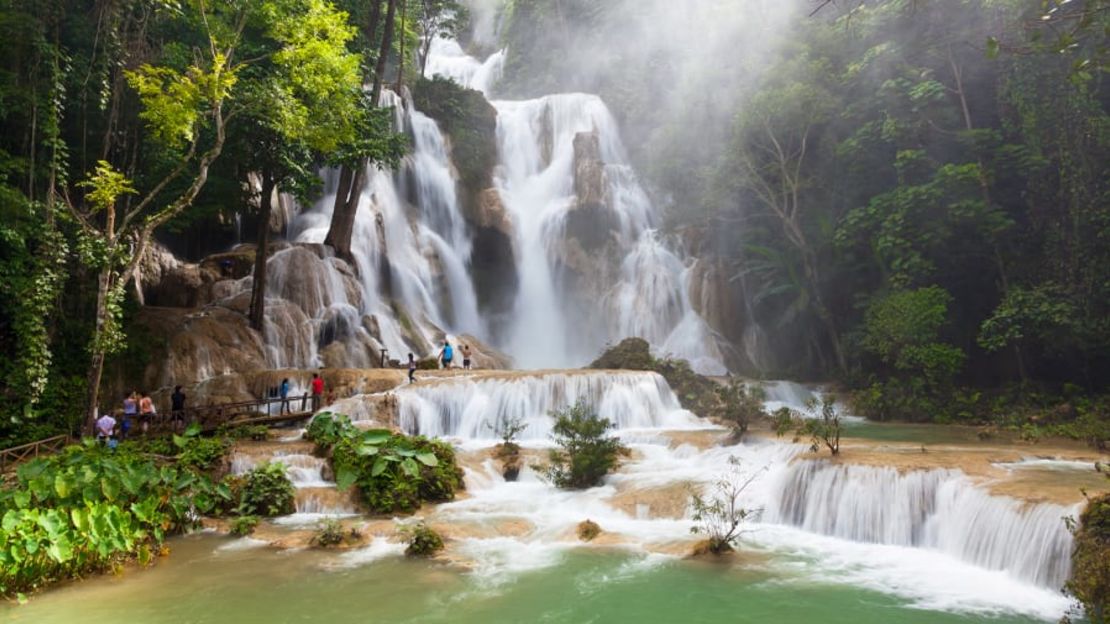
[(412, 369), (177, 407), (446, 355), (317, 391), (146, 412), (130, 413), (466, 357), (283, 391)]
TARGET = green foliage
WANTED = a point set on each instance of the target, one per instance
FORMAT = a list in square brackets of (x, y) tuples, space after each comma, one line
[(329, 532), (88, 509), (903, 330), (509, 427), (394, 473), (586, 453), (720, 515), (823, 429), (243, 525), (267, 492), (423, 541), (471, 123), (740, 405), (198, 452)]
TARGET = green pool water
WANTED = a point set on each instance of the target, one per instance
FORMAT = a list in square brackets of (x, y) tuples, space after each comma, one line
[(198, 584)]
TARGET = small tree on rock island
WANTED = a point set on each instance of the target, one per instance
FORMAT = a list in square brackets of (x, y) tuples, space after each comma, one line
[(825, 428), (585, 454), (720, 516)]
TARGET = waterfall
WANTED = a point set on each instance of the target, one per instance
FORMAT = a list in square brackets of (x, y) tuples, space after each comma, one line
[(648, 294), (411, 253), (472, 409), (935, 509)]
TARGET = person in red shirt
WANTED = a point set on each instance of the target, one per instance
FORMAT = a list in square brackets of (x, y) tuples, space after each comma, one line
[(317, 391)]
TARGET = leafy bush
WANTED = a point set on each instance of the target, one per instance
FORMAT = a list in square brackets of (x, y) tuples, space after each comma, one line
[(585, 454), (327, 428), (258, 433), (329, 532), (423, 541), (508, 452), (243, 525), (394, 473), (721, 516), (87, 509), (740, 405), (825, 428), (267, 492)]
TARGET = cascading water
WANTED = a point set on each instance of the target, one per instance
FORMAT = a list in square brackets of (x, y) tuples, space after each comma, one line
[(936, 509), (556, 321), (421, 250), (476, 409)]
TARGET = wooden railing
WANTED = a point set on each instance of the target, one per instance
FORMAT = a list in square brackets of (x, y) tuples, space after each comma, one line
[(209, 417), (16, 454), (261, 411)]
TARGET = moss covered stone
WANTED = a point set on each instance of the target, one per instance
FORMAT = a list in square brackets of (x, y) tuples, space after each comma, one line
[(471, 124), (1090, 576), (695, 392)]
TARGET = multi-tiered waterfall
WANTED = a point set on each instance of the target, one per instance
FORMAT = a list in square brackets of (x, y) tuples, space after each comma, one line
[(592, 268)]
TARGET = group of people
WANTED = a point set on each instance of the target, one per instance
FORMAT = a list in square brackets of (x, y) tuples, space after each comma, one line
[(317, 385), (445, 357), (138, 408)]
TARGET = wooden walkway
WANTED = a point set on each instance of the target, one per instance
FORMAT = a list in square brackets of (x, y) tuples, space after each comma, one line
[(209, 417)]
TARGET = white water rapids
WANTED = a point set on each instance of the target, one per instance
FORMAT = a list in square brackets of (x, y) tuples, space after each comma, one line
[(933, 537)]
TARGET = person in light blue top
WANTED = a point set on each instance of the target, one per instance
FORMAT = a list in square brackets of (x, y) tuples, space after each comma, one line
[(284, 391)]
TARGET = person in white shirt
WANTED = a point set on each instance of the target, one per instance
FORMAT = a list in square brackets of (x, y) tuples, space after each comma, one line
[(106, 430)]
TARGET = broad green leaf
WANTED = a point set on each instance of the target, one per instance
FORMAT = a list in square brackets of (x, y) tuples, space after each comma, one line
[(428, 459), (376, 436), (366, 450), (379, 466), (410, 468), (345, 478)]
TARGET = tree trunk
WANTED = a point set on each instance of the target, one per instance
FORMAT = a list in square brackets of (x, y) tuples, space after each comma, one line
[(383, 51), (258, 287), (401, 54), (96, 363), (346, 209)]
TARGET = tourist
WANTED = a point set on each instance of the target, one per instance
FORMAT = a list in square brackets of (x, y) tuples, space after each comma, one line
[(146, 412), (412, 369), (106, 431), (177, 407), (466, 357), (317, 390), (284, 392), (130, 413), (446, 355)]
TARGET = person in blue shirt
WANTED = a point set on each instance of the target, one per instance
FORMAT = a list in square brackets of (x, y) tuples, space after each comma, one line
[(284, 391), (446, 355)]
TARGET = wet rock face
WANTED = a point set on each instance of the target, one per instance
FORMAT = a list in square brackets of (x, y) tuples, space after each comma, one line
[(589, 171), (470, 123)]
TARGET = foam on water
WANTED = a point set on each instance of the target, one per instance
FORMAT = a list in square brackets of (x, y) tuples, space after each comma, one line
[(474, 409)]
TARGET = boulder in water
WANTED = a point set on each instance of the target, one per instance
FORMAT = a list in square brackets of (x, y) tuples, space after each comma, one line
[(587, 530)]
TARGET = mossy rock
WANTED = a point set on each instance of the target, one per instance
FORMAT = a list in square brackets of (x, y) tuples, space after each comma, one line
[(588, 530), (695, 392), (1090, 575), (470, 122)]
